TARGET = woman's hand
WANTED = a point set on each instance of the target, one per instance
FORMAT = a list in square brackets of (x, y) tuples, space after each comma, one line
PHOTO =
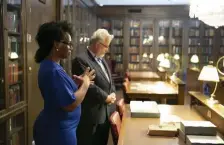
[(88, 76), (80, 79)]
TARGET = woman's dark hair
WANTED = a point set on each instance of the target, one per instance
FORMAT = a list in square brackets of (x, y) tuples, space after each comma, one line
[(47, 34)]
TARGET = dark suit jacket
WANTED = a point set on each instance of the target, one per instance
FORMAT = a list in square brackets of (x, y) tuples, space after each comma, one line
[(94, 108)]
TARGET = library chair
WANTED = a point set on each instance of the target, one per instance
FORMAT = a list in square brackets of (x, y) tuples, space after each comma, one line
[(115, 121)]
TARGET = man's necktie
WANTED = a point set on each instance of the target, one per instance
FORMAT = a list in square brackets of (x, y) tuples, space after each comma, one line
[(99, 60)]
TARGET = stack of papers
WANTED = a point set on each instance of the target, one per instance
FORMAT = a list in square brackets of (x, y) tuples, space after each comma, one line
[(141, 109), (204, 140)]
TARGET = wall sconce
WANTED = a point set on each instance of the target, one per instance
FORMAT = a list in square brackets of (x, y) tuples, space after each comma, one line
[(210, 73)]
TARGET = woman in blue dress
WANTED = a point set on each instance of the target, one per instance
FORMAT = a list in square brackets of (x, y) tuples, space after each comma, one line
[(57, 122)]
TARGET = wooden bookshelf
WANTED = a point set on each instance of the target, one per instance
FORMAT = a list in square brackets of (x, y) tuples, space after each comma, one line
[(13, 100)]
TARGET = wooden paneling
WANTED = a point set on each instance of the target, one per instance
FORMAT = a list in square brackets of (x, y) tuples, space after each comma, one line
[(146, 11), (37, 13)]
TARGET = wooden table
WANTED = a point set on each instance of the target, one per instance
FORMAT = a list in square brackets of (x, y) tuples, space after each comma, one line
[(151, 90), (144, 75), (134, 130)]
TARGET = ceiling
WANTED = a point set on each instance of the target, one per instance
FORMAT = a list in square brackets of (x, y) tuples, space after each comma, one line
[(142, 2)]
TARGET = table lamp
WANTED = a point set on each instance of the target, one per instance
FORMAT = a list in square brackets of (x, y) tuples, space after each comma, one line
[(165, 63), (194, 59), (176, 59), (160, 57), (209, 73)]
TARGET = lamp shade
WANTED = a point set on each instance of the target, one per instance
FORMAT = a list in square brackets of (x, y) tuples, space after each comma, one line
[(176, 56), (160, 57), (13, 55), (209, 73), (194, 58), (165, 63), (151, 55)]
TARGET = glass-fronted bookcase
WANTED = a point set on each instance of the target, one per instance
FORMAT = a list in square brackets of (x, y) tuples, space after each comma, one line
[(115, 55), (83, 22), (147, 40), (13, 100)]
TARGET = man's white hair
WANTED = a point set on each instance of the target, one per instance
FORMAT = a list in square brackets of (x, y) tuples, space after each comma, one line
[(100, 35)]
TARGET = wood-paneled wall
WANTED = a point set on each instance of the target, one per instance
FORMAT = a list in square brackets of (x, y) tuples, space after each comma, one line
[(37, 13)]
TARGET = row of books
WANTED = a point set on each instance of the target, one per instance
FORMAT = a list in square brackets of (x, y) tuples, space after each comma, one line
[(13, 74), (164, 31), (177, 31), (177, 41), (132, 66), (192, 50), (14, 94), (118, 32), (117, 49), (134, 41), (118, 24), (119, 67), (208, 41), (204, 59), (207, 50), (135, 32), (134, 24), (118, 41), (133, 50), (13, 21), (13, 44), (209, 32), (176, 50), (194, 41), (134, 58), (193, 32), (118, 58)]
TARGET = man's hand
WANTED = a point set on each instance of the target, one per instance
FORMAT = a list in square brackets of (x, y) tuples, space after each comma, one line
[(111, 98)]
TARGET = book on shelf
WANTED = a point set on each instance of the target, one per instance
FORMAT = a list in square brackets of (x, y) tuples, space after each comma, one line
[(132, 66), (133, 49), (134, 23), (135, 32), (13, 72), (12, 19), (134, 58), (118, 32), (14, 94), (146, 109)]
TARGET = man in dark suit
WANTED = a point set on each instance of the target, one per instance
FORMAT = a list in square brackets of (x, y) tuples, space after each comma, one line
[(98, 104)]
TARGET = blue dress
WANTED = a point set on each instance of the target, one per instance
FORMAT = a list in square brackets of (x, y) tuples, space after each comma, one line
[(54, 126)]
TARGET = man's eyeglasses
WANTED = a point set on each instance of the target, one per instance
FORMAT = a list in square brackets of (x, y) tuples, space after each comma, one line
[(104, 45)]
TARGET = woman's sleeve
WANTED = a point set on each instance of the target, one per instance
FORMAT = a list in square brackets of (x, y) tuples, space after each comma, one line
[(64, 91)]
